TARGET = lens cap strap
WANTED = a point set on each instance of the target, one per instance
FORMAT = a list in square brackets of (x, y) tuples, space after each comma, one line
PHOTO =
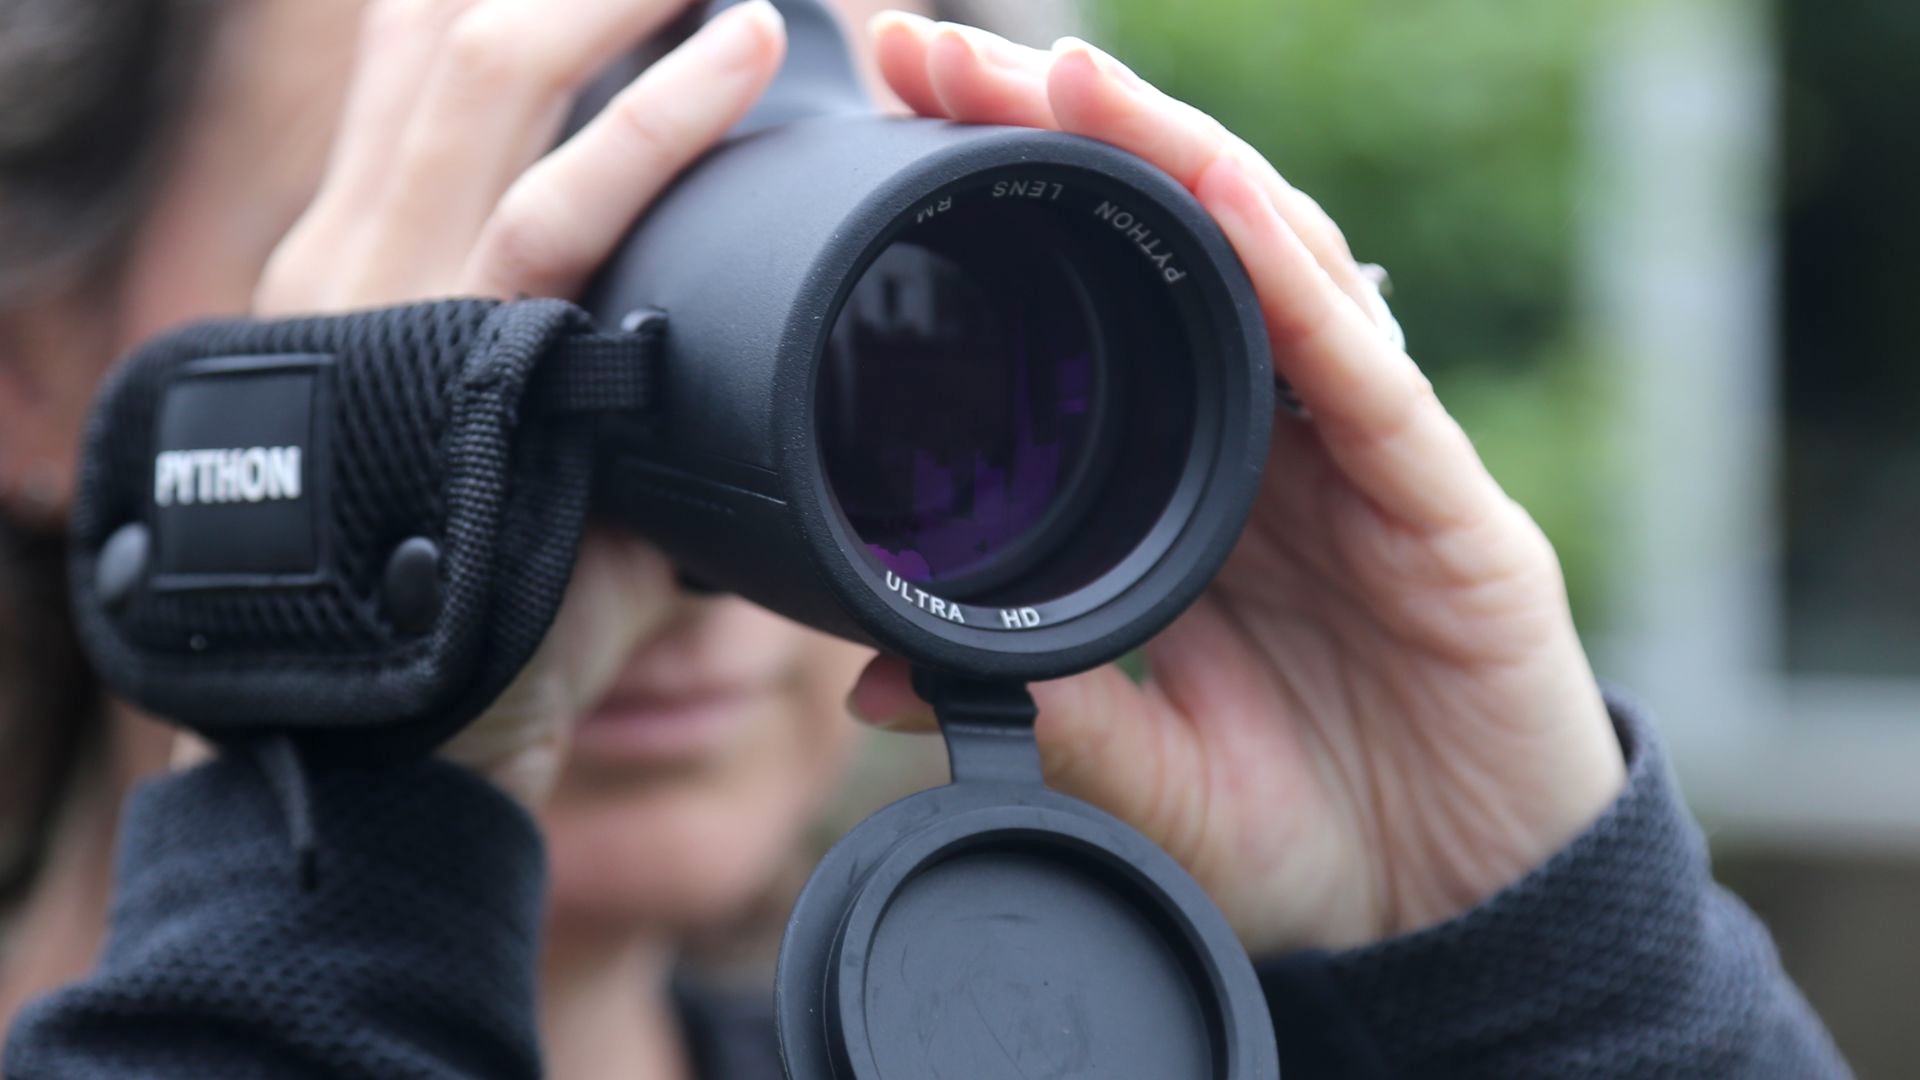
[(355, 528), (988, 725)]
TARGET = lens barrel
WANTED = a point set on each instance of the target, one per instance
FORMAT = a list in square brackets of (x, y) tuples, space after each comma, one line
[(992, 399)]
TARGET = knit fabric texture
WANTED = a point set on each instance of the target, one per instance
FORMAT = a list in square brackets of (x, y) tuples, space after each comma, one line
[(413, 955), (1619, 959)]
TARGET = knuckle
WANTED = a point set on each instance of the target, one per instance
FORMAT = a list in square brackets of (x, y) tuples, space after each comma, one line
[(382, 19), (285, 283), (269, 297), (1303, 322), (1418, 409), (521, 247), (1404, 411), (489, 48), (1512, 542), (1324, 220), (1421, 391), (1535, 546), (651, 131)]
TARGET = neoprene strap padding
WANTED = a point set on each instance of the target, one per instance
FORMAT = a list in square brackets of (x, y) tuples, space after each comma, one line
[(354, 528)]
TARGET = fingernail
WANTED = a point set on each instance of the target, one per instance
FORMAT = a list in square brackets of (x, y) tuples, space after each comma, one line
[(1102, 60), (991, 49), (1379, 287), (918, 24), (855, 710), (894, 720), (732, 38), (860, 713)]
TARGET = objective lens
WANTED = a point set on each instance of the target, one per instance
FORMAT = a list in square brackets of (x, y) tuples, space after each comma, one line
[(959, 400)]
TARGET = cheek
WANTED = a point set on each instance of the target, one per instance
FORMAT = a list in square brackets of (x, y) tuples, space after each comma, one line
[(673, 854)]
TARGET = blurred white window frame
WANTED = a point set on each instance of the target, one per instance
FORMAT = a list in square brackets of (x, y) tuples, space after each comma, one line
[(1680, 235)]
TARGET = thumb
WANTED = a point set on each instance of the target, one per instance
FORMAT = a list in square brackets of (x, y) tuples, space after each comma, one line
[(1102, 738), (620, 594), (1108, 741)]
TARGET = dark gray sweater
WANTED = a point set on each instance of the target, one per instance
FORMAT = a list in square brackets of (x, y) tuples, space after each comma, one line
[(413, 954)]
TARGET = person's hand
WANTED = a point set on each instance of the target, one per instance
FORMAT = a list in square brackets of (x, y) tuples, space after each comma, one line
[(1379, 714), (442, 183)]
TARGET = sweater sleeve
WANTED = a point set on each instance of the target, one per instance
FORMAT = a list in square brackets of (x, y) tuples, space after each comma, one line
[(1618, 958), (407, 951)]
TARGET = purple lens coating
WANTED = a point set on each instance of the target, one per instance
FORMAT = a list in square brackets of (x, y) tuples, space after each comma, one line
[(957, 400)]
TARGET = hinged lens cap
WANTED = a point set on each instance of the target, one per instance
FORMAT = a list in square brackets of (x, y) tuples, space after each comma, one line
[(993, 929)]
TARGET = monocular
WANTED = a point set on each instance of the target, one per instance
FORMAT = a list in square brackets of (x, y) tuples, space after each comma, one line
[(989, 399)]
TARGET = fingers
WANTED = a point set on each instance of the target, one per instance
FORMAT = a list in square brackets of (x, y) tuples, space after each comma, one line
[(982, 78), (189, 750), (884, 697), (1090, 729), (620, 594), (965, 74), (1095, 95), (962, 73), (1099, 736), (900, 42), (491, 102), (1372, 407), (1376, 410), (562, 218), (1102, 740), (398, 41), (508, 68)]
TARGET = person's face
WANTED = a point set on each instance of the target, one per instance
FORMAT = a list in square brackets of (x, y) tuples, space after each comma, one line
[(689, 783), (687, 787)]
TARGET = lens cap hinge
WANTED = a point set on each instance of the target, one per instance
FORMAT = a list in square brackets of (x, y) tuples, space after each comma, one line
[(988, 725)]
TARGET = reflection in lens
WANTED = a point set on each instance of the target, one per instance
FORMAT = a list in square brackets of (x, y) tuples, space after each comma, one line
[(957, 402)]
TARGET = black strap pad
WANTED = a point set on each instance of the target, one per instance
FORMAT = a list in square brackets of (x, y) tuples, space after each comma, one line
[(352, 528)]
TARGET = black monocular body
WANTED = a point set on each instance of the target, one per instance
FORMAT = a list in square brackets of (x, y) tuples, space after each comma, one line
[(992, 399)]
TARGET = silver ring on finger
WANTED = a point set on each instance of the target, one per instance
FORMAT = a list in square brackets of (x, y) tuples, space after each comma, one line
[(1376, 275)]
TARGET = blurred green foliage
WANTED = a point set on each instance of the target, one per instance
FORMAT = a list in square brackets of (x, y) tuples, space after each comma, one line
[(1445, 136)]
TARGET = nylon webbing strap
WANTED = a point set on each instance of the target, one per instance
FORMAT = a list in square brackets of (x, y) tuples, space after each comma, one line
[(596, 372)]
